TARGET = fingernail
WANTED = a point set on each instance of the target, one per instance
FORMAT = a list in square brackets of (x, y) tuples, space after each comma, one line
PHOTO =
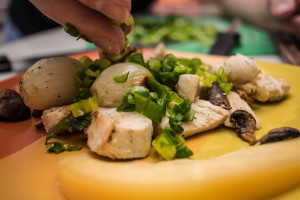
[(107, 46)]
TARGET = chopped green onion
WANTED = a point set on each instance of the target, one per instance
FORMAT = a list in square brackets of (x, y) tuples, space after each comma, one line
[(92, 73), (128, 21), (154, 96), (57, 147), (165, 145), (73, 31), (160, 89), (170, 144), (183, 151), (85, 76), (122, 78), (79, 123), (85, 106), (128, 104), (154, 64), (136, 58), (169, 62), (139, 90), (86, 61)]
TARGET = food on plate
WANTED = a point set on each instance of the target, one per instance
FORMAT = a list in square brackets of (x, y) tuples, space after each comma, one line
[(111, 92), (119, 135), (278, 134), (207, 117), (244, 124), (188, 86), (218, 97), (121, 105), (269, 88), (52, 116), (268, 170), (238, 68), (12, 107), (49, 82), (237, 103)]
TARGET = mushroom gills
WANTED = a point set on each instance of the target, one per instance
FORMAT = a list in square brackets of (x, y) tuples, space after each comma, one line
[(244, 125)]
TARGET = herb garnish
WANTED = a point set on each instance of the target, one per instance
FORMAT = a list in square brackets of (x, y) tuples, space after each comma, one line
[(122, 78)]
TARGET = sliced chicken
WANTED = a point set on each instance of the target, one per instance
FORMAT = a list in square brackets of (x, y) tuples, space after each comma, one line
[(207, 117), (249, 88), (188, 86), (239, 69), (269, 88), (52, 116), (119, 135), (237, 103)]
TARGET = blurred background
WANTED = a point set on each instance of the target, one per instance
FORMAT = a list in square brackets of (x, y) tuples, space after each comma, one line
[(184, 25)]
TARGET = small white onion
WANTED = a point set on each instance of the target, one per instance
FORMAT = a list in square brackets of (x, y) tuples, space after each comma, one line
[(49, 82), (111, 93)]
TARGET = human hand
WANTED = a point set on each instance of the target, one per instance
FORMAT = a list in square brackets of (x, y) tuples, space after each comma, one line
[(92, 18), (287, 11)]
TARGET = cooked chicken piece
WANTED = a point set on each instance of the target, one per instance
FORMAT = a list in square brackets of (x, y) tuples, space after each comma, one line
[(269, 88), (244, 124), (249, 88), (218, 97), (119, 135), (237, 103), (207, 117), (188, 86), (239, 69), (52, 116), (159, 51), (243, 95)]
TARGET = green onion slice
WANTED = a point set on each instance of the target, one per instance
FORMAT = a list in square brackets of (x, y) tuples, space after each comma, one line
[(122, 78)]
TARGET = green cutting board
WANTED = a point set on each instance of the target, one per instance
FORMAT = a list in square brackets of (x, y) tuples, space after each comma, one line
[(253, 41)]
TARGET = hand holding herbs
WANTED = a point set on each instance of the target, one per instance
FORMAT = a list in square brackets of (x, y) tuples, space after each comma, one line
[(92, 19)]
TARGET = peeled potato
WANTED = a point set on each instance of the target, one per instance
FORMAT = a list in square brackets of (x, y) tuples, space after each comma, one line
[(49, 82), (111, 93), (257, 172)]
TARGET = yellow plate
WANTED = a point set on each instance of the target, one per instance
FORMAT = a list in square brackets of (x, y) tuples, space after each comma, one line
[(31, 173)]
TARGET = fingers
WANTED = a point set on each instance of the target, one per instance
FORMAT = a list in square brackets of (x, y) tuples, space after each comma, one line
[(283, 9), (127, 29), (96, 26), (118, 10)]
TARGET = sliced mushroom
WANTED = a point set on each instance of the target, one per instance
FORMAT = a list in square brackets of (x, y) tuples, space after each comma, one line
[(245, 125), (278, 134), (218, 97), (12, 107)]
